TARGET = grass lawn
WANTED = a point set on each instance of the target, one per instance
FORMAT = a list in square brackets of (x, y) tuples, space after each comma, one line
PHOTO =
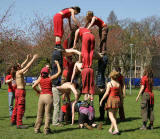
[(129, 129)]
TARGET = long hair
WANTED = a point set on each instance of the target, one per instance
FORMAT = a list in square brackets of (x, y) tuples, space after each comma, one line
[(9, 70), (149, 73)]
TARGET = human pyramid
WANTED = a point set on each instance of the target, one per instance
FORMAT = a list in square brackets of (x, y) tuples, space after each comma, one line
[(64, 75)]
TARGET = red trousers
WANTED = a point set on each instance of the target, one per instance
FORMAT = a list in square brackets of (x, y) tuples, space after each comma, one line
[(88, 44), (88, 81), (19, 107), (58, 25)]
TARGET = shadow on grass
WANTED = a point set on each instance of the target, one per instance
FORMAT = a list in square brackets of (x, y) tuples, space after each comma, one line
[(129, 130), (64, 130), (128, 119), (30, 117)]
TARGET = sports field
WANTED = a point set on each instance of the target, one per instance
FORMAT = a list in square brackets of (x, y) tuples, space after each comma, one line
[(129, 129)]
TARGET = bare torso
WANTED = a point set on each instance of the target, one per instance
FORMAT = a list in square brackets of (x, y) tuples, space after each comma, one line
[(20, 80)]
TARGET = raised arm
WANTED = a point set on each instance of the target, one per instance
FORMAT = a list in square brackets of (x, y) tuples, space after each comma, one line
[(92, 22), (22, 65), (29, 64), (75, 38), (59, 71), (140, 92), (106, 93)]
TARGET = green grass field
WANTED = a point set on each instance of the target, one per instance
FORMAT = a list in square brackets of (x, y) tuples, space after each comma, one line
[(129, 129)]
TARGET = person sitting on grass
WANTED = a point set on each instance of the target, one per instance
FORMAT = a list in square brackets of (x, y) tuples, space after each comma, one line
[(113, 92), (45, 102)]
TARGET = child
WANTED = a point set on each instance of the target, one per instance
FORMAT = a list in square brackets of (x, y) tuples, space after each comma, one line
[(113, 91), (45, 99), (147, 103), (58, 21)]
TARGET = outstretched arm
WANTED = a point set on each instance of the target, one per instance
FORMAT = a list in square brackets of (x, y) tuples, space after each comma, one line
[(28, 56), (73, 17), (69, 22), (75, 38), (74, 71), (92, 22)]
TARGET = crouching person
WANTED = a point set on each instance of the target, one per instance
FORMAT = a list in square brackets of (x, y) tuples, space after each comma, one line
[(86, 115), (45, 102)]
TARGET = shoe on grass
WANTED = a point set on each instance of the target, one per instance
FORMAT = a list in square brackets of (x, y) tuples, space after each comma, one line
[(87, 126), (143, 128), (48, 131), (37, 131), (13, 123), (22, 126), (150, 127), (99, 127)]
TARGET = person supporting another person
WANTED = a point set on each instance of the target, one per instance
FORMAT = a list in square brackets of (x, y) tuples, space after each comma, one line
[(87, 50), (20, 93), (113, 91), (58, 21), (45, 102), (147, 103)]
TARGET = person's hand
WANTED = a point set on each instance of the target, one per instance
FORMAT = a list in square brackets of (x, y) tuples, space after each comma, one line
[(29, 56), (35, 56), (56, 62), (74, 47)]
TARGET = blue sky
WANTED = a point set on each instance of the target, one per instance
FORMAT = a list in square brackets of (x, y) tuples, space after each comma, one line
[(24, 10)]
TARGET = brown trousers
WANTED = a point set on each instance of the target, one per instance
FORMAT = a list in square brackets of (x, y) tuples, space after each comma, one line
[(45, 104), (103, 33), (146, 108)]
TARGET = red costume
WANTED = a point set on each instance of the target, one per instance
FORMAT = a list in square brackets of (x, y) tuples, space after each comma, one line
[(46, 86), (114, 98), (144, 81), (88, 44), (58, 22), (67, 66), (100, 23), (88, 81), (19, 107)]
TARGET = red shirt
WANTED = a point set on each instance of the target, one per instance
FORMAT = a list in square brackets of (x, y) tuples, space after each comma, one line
[(100, 23), (66, 13), (46, 86), (144, 81), (114, 91), (82, 31), (10, 87)]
